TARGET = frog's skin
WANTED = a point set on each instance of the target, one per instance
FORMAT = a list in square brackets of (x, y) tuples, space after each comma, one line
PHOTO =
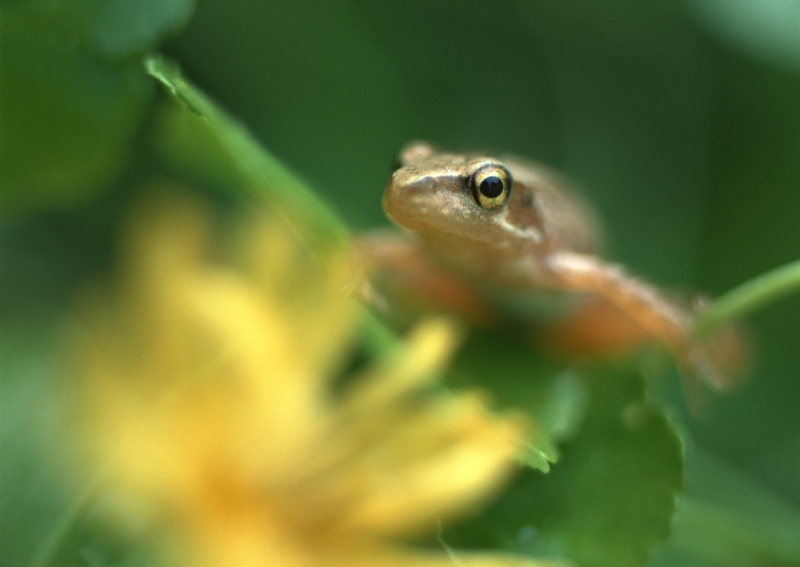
[(535, 237)]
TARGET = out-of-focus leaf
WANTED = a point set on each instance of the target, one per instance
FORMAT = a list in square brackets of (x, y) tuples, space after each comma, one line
[(73, 93), (518, 376), (314, 83), (202, 140), (39, 526), (120, 28), (66, 118), (769, 29), (612, 497), (29, 504)]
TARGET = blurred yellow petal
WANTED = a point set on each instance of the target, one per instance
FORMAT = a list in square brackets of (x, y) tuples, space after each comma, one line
[(434, 466), (281, 267), (205, 392), (426, 353)]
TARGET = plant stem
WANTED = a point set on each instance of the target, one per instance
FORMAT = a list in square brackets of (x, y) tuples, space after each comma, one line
[(48, 549), (750, 296)]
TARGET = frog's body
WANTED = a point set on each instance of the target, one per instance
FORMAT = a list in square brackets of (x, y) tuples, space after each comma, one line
[(484, 232)]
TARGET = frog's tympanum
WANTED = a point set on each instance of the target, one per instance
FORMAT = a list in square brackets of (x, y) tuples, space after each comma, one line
[(502, 240)]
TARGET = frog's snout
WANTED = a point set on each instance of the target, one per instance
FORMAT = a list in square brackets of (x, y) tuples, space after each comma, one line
[(404, 195)]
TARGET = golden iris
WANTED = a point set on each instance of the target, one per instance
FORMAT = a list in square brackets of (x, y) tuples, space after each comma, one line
[(491, 186)]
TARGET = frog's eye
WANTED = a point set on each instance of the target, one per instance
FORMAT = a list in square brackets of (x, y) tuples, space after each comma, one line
[(491, 186)]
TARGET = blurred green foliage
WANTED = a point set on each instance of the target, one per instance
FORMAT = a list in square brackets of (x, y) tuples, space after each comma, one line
[(73, 93), (205, 143), (681, 121), (609, 501)]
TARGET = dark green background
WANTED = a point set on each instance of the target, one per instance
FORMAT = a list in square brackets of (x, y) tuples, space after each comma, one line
[(687, 138)]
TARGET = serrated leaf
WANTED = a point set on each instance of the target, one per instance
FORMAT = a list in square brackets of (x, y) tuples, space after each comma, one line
[(611, 498)]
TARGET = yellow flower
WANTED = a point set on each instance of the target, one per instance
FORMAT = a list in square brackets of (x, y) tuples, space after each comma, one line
[(205, 394)]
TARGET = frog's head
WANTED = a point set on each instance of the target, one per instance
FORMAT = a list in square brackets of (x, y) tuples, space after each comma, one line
[(472, 198)]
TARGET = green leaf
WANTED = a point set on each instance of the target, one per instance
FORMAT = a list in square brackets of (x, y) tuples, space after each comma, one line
[(612, 497), (518, 376), (767, 28), (202, 140), (73, 93)]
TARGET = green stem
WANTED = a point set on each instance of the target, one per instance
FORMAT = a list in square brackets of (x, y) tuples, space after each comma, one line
[(750, 296), (58, 533)]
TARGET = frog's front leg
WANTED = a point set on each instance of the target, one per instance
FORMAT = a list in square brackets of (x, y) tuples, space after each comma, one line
[(640, 301), (402, 280)]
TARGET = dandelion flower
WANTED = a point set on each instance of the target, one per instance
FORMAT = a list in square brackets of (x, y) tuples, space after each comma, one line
[(204, 392)]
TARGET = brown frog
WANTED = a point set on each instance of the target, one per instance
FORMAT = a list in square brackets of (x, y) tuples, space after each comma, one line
[(504, 239)]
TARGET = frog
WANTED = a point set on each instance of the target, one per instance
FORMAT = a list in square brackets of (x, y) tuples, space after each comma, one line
[(499, 239)]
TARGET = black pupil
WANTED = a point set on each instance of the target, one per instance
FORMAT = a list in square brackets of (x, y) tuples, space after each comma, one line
[(491, 187)]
